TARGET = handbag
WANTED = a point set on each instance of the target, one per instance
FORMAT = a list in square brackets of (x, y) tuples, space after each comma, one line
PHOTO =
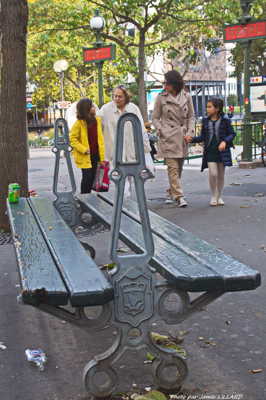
[(102, 182)]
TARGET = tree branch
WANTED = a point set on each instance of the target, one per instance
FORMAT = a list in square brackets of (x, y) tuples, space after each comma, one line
[(60, 29), (169, 36), (125, 18), (121, 43)]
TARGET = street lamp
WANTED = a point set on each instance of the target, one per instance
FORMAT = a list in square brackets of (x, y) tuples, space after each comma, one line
[(246, 6), (97, 23), (247, 138), (60, 67)]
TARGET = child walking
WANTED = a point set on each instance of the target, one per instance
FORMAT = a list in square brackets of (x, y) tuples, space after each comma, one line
[(86, 138), (217, 135)]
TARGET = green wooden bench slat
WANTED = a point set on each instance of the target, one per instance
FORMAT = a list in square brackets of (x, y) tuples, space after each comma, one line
[(237, 275), (174, 264), (40, 281), (86, 283)]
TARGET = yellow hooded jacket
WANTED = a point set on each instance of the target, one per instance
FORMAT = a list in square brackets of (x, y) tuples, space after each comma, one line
[(80, 143)]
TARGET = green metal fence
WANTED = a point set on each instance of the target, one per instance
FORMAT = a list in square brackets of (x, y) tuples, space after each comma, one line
[(256, 129), (238, 125)]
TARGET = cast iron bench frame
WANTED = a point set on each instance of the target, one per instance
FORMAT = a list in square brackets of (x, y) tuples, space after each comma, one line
[(136, 297)]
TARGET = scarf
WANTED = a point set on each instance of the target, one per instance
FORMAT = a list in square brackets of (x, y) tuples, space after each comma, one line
[(213, 127)]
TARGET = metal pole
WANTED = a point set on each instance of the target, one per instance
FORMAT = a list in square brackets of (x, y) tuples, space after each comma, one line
[(203, 100), (247, 138), (100, 83), (100, 71), (61, 91), (62, 85)]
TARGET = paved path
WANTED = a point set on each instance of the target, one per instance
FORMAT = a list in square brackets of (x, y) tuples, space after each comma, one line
[(235, 324)]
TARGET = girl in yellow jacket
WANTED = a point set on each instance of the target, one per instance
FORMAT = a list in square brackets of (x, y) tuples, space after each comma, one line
[(86, 138)]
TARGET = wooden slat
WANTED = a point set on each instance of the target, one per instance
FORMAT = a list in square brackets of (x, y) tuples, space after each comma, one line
[(86, 283), (173, 264), (237, 276), (40, 280), (176, 262)]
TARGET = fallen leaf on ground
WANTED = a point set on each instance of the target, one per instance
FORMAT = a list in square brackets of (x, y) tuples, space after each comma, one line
[(155, 395), (122, 250), (165, 341), (108, 267), (152, 395), (183, 333), (2, 346), (210, 343), (256, 371), (150, 357)]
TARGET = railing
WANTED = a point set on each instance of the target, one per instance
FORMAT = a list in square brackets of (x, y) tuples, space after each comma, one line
[(256, 129), (39, 126), (257, 132)]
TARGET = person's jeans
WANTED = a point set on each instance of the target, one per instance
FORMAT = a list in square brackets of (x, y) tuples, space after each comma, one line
[(175, 167), (88, 175)]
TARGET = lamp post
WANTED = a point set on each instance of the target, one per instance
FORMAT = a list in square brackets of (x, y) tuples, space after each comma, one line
[(60, 67), (247, 136), (97, 24)]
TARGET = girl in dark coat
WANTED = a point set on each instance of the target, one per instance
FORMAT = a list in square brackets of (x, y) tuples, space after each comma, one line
[(217, 135)]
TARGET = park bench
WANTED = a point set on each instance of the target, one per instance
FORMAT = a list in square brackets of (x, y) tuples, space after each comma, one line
[(59, 277)]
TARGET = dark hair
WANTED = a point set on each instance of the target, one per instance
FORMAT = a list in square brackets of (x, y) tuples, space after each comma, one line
[(125, 91), (83, 109), (217, 103), (175, 79)]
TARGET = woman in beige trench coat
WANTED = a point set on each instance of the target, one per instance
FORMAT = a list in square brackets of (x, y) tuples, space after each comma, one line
[(173, 118)]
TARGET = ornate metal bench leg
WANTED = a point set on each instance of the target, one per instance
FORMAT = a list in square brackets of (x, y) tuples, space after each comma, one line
[(65, 202), (99, 378), (139, 298)]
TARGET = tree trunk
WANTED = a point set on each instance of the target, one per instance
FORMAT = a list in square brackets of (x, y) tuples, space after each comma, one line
[(13, 139), (141, 77)]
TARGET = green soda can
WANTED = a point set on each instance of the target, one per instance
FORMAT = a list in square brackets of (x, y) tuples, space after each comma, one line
[(13, 192)]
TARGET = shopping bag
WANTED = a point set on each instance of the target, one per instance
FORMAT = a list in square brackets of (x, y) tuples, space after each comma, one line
[(102, 181)]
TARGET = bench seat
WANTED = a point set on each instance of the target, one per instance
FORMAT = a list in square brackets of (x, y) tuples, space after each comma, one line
[(187, 262), (54, 267)]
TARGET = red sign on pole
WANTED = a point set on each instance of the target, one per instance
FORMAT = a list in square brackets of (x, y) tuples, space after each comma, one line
[(97, 54), (254, 30)]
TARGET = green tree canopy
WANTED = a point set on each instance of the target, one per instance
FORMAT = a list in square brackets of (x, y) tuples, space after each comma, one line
[(59, 30), (141, 30)]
